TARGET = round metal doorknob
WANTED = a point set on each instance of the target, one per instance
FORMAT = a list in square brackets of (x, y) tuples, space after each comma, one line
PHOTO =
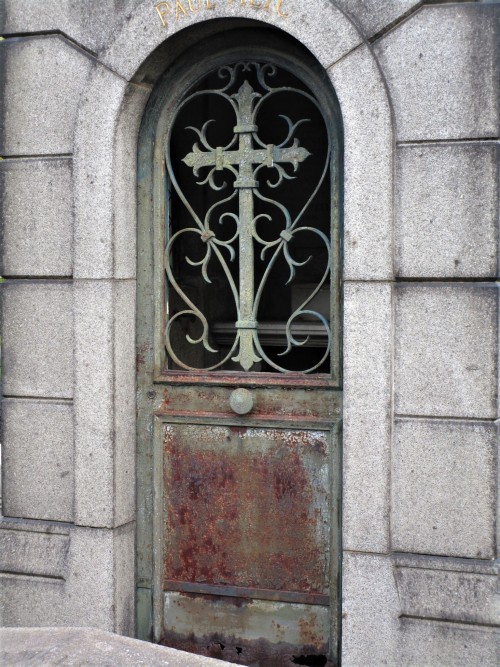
[(241, 401)]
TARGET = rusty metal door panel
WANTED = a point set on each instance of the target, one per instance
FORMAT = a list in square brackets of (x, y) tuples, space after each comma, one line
[(261, 632), (247, 507)]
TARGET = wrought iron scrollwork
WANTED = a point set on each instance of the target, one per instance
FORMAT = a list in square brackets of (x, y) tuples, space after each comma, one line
[(244, 156)]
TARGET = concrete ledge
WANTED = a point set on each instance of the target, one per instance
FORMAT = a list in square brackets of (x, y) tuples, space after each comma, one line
[(88, 646)]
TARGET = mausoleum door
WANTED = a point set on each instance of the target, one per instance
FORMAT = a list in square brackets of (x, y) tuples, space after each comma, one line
[(238, 362)]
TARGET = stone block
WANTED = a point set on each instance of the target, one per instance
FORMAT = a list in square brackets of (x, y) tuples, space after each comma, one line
[(124, 579), (124, 401), (448, 594), (441, 67), (36, 207), (106, 600), (89, 24), (447, 210), (38, 459), (370, 610), (93, 403), (322, 28), (443, 487), (94, 166), (33, 576), (37, 344), (373, 16), (125, 181), (446, 350), (368, 167), (104, 402), (426, 643), (367, 415), (42, 554), (92, 598), (97, 590), (43, 78), (30, 601)]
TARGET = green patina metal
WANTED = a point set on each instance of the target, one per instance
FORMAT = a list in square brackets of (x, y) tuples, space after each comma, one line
[(244, 157)]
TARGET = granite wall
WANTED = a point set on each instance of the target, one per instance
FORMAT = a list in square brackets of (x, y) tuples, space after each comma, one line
[(418, 88)]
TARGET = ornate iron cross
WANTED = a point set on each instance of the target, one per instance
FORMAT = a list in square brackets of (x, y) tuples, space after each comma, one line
[(244, 158)]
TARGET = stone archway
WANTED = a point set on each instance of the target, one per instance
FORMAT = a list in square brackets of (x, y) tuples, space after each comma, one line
[(105, 211)]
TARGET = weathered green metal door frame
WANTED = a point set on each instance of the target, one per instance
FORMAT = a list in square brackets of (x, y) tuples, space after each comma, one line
[(172, 399)]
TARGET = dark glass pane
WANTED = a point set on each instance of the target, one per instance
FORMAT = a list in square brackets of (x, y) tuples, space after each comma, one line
[(249, 150)]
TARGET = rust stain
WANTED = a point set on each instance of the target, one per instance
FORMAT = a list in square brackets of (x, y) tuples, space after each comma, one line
[(238, 602), (278, 630), (270, 403), (241, 378), (242, 515), (310, 634), (166, 400), (140, 357), (258, 652)]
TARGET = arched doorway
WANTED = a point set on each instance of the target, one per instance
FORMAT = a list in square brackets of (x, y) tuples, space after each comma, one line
[(239, 379)]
